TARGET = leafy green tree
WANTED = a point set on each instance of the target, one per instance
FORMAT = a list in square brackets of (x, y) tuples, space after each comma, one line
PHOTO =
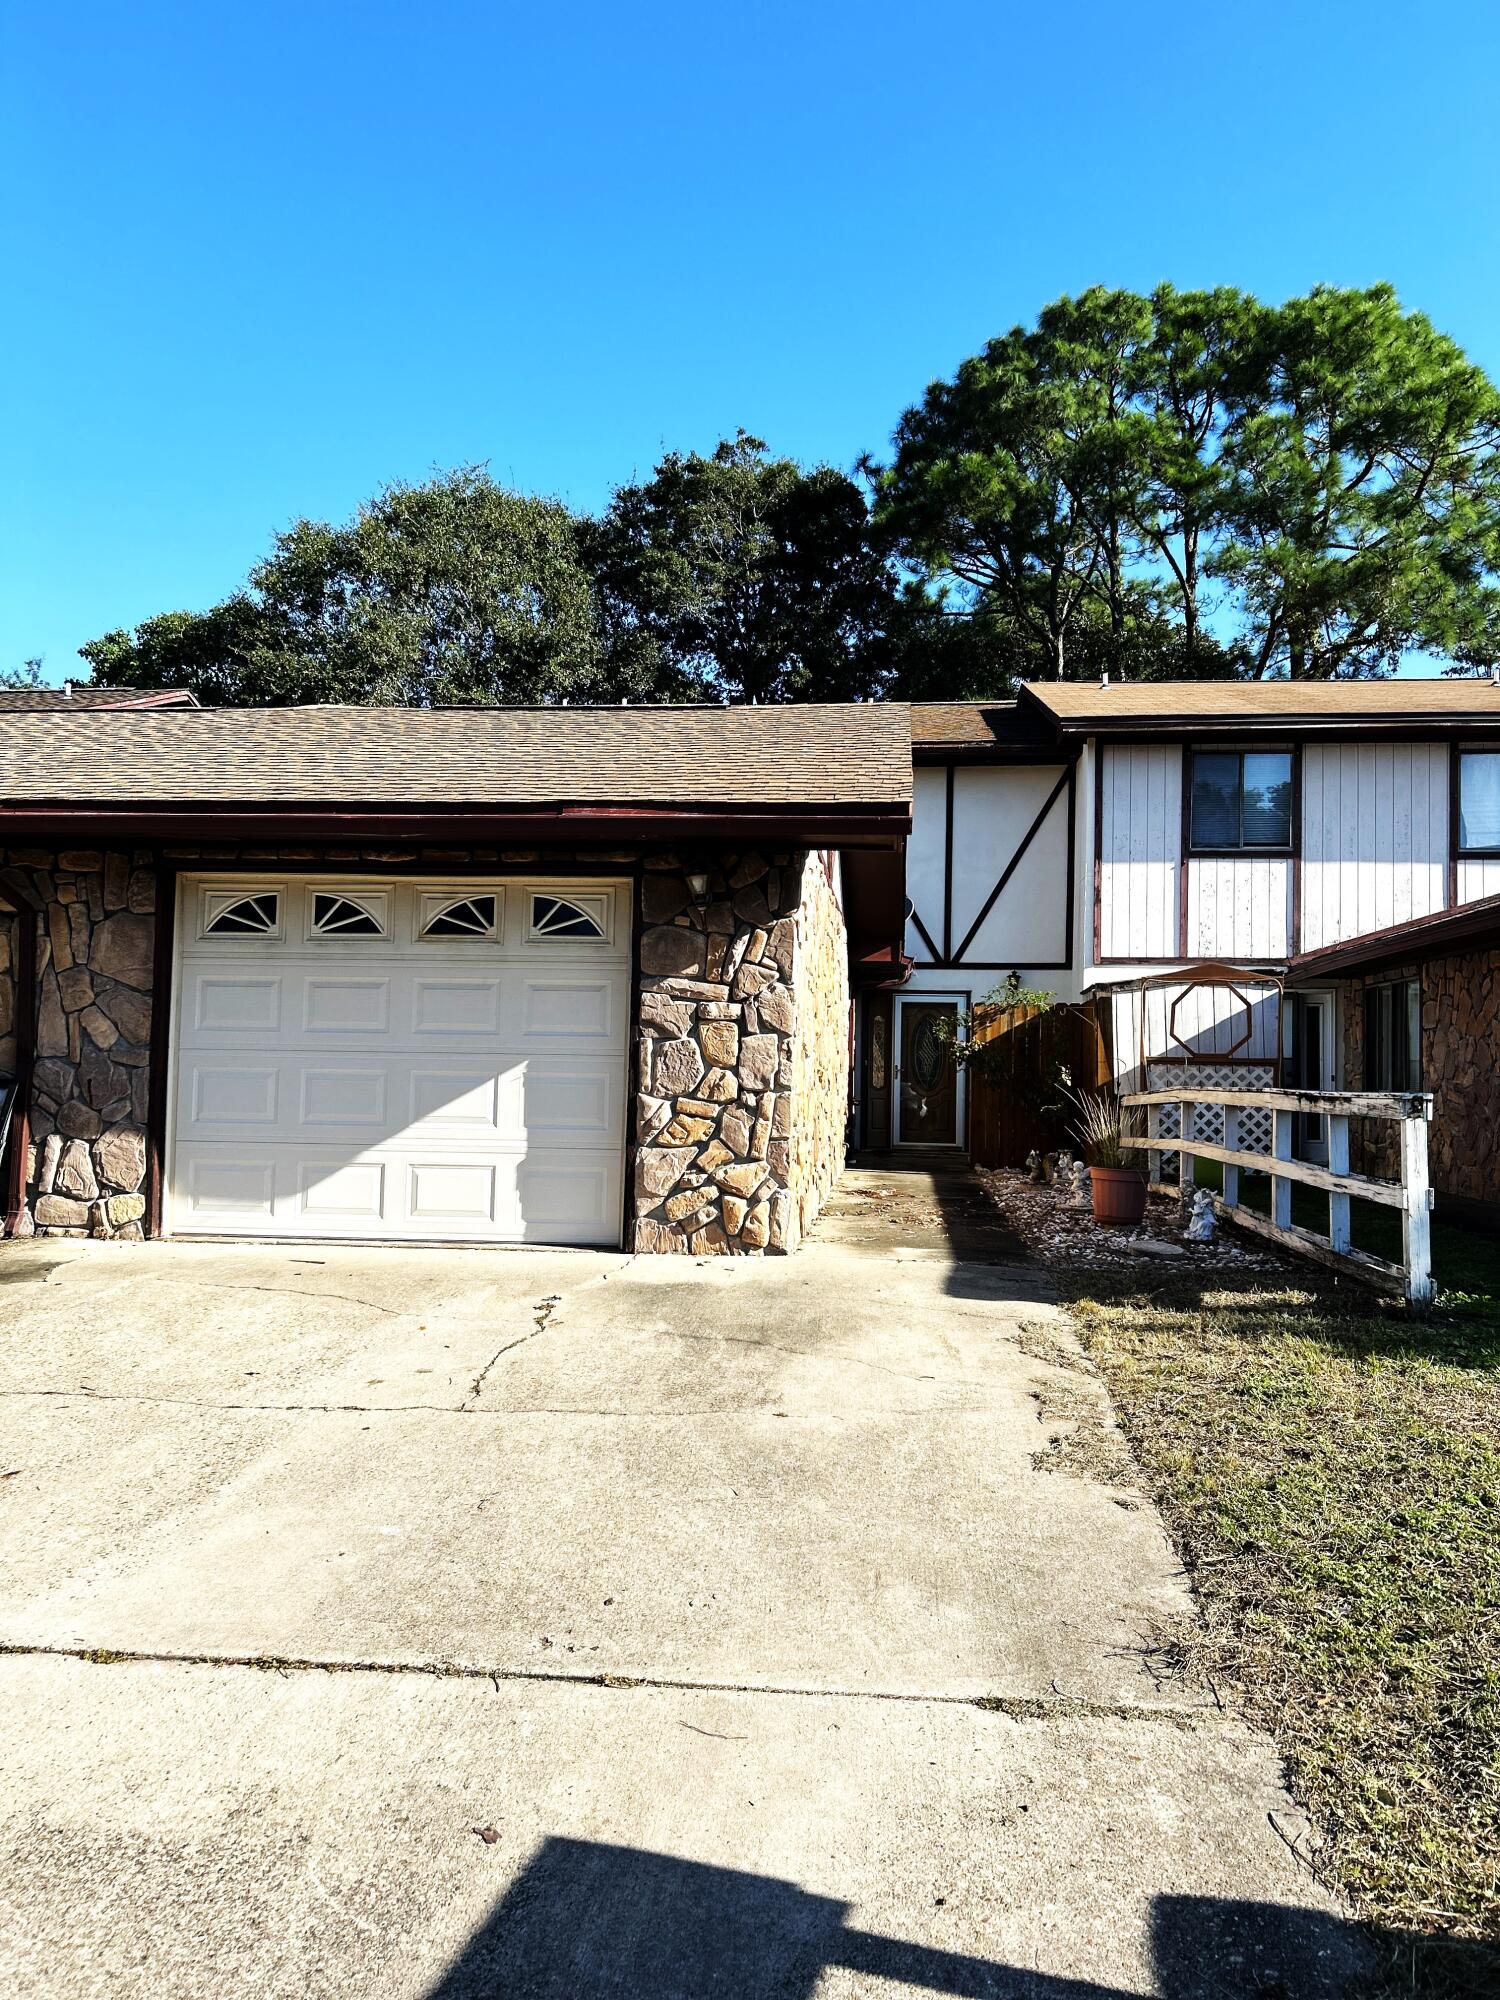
[(231, 655), (1361, 497), (456, 591), (1196, 483), (1088, 352), (28, 675), (742, 577), (982, 497), (1183, 382)]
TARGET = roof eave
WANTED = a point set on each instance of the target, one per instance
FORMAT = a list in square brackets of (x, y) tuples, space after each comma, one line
[(881, 824), (969, 752), (1425, 724)]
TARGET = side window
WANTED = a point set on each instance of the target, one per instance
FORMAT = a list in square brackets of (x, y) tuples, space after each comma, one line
[(236, 913), (1240, 800), (1393, 1035), (1479, 802)]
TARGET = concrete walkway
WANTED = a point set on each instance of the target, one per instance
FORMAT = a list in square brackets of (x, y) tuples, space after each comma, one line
[(401, 1623)]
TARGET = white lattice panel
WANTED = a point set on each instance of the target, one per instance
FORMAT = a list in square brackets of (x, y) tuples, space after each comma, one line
[(1208, 1119)]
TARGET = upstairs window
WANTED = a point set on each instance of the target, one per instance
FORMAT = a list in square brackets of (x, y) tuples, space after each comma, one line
[(1479, 802), (1241, 800), (1393, 1036)]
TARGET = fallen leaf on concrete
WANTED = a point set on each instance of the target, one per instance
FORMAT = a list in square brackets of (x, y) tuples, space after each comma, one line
[(488, 1834)]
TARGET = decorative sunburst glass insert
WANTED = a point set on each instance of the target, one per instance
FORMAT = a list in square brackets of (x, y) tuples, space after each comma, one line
[(551, 916), (341, 916), (471, 916), (251, 916)]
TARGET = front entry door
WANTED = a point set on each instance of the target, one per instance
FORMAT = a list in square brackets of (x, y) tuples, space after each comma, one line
[(927, 1076)]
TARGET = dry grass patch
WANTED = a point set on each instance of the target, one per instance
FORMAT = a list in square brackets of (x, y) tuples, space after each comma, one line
[(1330, 1470)]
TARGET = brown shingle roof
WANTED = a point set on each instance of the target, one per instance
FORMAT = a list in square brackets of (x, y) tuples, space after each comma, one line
[(1085, 704), (963, 730), (959, 721), (96, 697), (854, 755)]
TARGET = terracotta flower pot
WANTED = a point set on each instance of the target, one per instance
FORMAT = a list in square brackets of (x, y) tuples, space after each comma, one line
[(1119, 1194)]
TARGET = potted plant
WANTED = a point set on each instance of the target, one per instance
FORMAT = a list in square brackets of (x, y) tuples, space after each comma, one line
[(1115, 1177)]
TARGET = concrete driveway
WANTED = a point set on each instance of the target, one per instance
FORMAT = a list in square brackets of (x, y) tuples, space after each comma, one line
[(401, 1623)]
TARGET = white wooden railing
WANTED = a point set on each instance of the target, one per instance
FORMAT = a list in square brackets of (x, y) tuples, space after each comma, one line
[(1412, 1195)]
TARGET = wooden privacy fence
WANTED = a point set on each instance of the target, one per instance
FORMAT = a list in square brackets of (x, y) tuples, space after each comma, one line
[(1017, 1076), (1411, 1194)]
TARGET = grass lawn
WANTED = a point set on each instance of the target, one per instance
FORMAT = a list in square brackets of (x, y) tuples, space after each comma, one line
[(1330, 1469), (1465, 1262)]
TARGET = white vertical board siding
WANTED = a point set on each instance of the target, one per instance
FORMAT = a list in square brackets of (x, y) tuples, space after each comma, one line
[(924, 858), (1374, 837), (1140, 851), (993, 809), (1239, 906), (1477, 878), (1084, 803)]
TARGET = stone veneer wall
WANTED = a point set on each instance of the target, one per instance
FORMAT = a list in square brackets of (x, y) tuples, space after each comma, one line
[(820, 1046), (1460, 1066), (88, 1108), (724, 979)]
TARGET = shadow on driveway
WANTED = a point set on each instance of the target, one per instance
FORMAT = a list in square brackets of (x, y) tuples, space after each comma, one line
[(587, 1920)]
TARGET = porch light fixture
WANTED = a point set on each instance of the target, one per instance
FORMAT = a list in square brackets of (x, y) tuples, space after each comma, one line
[(698, 885)]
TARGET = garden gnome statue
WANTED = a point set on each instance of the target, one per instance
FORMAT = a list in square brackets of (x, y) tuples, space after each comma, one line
[(1203, 1222)]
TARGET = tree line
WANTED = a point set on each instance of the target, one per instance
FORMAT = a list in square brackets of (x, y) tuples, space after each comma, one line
[(1175, 485)]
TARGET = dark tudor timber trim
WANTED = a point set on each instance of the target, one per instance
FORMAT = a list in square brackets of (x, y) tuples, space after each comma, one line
[(949, 959)]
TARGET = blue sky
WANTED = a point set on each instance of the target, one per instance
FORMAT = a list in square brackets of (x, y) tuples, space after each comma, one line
[(260, 259)]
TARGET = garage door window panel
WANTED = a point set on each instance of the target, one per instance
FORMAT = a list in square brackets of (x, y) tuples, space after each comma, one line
[(335, 914), (238, 915), (453, 918), (574, 917)]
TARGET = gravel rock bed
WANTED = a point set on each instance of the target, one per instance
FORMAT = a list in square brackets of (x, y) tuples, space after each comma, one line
[(1057, 1233)]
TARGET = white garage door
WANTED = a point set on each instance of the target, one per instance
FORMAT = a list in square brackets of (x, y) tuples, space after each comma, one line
[(420, 1060)]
